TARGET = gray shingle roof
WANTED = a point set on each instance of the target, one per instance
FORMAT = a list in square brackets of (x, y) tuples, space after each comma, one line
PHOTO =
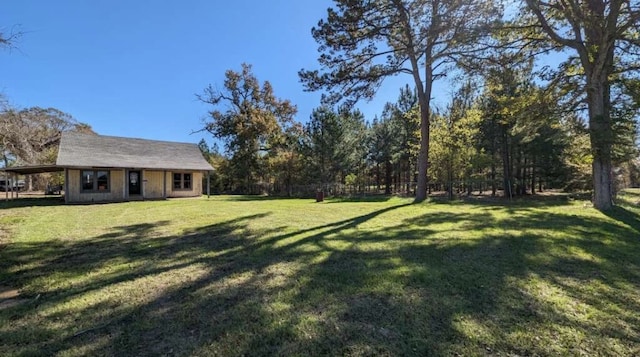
[(87, 150)]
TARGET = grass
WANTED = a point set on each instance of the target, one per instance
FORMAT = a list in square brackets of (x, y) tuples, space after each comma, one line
[(243, 276)]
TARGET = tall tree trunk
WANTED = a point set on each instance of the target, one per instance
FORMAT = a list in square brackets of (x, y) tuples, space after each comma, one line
[(533, 175), (424, 100), (494, 151), (493, 177), (540, 184), (598, 67), (396, 178), (516, 171), (408, 177), (506, 165), (387, 177), (523, 175), (601, 135), (423, 156), (450, 178)]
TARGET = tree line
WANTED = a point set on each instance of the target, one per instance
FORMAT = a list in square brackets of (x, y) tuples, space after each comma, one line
[(363, 42), (593, 92), (506, 135)]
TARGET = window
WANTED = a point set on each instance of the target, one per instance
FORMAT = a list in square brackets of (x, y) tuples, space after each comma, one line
[(186, 181), (103, 180), (87, 180), (95, 181), (182, 181), (177, 181)]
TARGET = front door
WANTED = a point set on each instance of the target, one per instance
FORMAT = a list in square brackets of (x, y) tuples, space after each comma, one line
[(135, 183)]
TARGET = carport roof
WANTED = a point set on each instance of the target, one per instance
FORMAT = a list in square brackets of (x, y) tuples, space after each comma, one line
[(32, 169)]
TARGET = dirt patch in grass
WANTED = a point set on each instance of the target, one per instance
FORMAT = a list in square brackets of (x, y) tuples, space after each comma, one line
[(10, 297), (8, 293)]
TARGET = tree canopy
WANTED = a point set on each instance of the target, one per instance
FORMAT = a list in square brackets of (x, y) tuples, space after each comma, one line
[(603, 40), (363, 42), (249, 118), (8, 39)]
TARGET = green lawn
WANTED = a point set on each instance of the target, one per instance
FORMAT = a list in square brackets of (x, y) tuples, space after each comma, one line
[(258, 276)]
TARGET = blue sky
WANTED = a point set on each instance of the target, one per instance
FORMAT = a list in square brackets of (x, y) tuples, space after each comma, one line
[(132, 68)]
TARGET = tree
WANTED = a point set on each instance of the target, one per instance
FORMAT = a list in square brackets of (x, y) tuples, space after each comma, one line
[(383, 144), (577, 156), (286, 160), (9, 39), (503, 106), (249, 118), (393, 142), (322, 147), (335, 144), (604, 35), (520, 127), (363, 42), (455, 135), (406, 119), (31, 136), (219, 178)]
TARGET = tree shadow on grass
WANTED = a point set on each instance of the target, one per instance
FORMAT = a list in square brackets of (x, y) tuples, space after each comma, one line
[(467, 297), (336, 289), (30, 202), (530, 201), (249, 198), (633, 193), (625, 216), (134, 243), (363, 199), (137, 252)]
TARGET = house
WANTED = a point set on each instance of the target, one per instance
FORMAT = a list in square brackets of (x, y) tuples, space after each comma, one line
[(110, 169)]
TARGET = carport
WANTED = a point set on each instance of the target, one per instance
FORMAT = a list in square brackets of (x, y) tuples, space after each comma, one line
[(11, 173)]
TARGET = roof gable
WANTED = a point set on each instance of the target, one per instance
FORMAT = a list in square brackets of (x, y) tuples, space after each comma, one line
[(87, 150)]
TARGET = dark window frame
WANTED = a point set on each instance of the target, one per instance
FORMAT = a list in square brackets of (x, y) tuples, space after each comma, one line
[(95, 175), (182, 181)]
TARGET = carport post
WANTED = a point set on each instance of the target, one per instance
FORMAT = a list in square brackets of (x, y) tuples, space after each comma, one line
[(208, 184), (15, 185), (66, 185)]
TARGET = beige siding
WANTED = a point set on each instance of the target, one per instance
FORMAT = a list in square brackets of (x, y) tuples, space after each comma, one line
[(153, 181), (196, 183), (153, 184), (75, 194)]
